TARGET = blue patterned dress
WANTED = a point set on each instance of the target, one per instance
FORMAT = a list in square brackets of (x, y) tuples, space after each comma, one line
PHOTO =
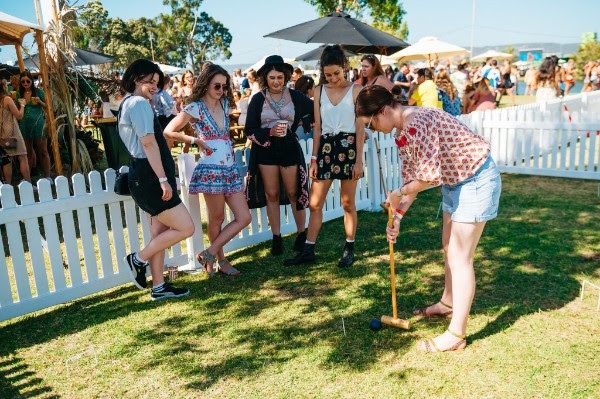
[(216, 173)]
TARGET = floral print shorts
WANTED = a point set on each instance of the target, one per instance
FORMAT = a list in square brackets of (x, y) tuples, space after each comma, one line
[(336, 156)]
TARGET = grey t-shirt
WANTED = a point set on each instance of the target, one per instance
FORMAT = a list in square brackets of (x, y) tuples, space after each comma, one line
[(136, 121)]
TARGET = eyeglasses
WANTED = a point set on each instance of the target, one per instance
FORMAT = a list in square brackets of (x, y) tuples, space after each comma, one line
[(220, 86), (372, 116), (24, 81)]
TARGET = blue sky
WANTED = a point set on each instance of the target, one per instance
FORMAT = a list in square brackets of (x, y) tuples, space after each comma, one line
[(508, 21)]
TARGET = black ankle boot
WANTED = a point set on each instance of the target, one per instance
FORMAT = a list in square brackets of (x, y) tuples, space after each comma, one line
[(276, 245), (347, 256), (300, 240), (306, 256)]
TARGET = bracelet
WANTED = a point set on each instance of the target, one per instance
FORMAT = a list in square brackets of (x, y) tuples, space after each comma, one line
[(313, 157), (193, 140), (162, 179), (313, 161), (400, 211), (397, 216)]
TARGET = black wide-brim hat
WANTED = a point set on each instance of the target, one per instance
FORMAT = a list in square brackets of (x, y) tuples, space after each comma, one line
[(271, 61)]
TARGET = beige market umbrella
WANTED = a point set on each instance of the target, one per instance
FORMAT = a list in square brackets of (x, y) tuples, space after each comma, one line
[(492, 54), (428, 48)]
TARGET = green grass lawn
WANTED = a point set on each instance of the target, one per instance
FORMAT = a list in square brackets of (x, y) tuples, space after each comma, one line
[(274, 332)]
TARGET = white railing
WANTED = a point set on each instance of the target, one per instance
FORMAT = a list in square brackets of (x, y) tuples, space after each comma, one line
[(70, 241), (558, 138)]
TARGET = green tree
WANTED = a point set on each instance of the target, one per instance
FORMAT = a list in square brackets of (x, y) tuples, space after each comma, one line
[(89, 32), (187, 34), (586, 52), (387, 15), (510, 50)]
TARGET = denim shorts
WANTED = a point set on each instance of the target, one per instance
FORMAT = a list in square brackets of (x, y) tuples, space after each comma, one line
[(475, 199)]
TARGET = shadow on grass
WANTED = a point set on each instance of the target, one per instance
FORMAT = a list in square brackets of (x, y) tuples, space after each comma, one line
[(527, 261)]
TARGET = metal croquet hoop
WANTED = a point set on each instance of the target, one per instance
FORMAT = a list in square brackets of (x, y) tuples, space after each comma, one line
[(393, 320)]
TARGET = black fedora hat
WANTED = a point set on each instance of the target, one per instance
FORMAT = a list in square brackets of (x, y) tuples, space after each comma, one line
[(274, 60)]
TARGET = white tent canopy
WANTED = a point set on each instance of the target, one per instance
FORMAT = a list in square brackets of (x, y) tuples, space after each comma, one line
[(427, 48), (13, 29), (170, 69), (261, 62), (492, 54)]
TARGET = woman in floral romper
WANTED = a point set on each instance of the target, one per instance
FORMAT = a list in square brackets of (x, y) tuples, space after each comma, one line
[(216, 175), (438, 149)]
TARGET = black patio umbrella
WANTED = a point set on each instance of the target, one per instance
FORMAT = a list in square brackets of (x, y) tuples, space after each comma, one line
[(82, 58), (316, 54), (340, 28), (6, 71)]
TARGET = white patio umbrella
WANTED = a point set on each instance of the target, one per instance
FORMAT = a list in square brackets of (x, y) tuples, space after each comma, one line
[(261, 62), (492, 54), (170, 69), (428, 48)]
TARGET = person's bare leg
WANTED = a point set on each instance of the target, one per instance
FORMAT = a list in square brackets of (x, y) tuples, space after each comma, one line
[(41, 146), (30, 153), (318, 195), (180, 226), (270, 178), (241, 218), (215, 205), (157, 261), (348, 195), (289, 175), (461, 249), (24, 168)]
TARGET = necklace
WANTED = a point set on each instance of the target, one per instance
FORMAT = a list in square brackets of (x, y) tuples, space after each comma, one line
[(277, 105)]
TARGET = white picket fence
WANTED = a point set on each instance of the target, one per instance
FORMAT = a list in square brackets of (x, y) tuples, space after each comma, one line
[(77, 232), (557, 138)]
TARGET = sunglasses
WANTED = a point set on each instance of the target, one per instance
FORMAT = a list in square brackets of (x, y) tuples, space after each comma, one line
[(372, 116), (220, 86), (25, 81)]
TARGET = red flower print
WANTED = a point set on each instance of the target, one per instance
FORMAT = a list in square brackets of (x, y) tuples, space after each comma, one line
[(401, 142), (412, 131)]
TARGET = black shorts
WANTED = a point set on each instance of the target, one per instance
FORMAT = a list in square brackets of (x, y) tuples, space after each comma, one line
[(336, 156), (282, 151), (145, 187), (164, 120)]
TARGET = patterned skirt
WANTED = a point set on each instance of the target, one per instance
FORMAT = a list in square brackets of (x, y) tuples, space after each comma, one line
[(218, 172), (336, 156)]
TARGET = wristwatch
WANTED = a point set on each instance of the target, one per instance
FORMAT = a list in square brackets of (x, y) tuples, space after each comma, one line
[(162, 179)]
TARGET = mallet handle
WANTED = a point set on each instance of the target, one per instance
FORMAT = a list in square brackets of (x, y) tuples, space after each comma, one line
[(392, 268)]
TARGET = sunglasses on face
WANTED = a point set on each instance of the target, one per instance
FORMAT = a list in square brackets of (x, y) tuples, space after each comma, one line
[(220, 86), (25, 81), (373, 116)]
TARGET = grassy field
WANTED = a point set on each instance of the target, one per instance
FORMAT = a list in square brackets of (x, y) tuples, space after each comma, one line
[(274, 332)]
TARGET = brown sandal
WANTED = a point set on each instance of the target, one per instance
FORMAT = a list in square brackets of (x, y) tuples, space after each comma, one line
[(430, 346), (423, 312)]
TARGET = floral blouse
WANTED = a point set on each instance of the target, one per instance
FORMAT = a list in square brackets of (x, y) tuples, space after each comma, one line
[(438, 148)]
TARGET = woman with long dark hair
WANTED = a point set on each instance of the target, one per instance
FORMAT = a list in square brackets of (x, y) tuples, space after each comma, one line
[(151, 178), (546, 81), (437, 149), (276, 158), (32, 123), (216, 175), (337, 153)]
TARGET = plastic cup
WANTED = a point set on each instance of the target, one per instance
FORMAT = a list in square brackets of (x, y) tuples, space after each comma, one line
[(283, 125), (34, 100)]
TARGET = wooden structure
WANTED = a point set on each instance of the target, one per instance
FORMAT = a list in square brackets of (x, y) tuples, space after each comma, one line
[(12, 32)]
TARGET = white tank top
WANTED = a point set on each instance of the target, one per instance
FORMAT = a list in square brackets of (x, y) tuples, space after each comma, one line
[(337, 118)]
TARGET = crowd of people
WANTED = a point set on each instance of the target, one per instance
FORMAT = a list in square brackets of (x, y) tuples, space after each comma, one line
[(339, 115)]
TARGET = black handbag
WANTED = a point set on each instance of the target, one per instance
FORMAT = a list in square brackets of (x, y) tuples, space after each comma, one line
[(122, 184)]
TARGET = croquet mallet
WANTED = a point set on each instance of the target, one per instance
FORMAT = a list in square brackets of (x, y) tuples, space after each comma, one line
[(393, 321)]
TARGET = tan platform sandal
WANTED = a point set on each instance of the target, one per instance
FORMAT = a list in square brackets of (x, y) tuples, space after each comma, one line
[(203, 258), (232, 271), (430, 346), (423, 312)]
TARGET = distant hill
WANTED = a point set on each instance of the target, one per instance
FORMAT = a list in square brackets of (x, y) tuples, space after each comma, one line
[(561, 50)]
